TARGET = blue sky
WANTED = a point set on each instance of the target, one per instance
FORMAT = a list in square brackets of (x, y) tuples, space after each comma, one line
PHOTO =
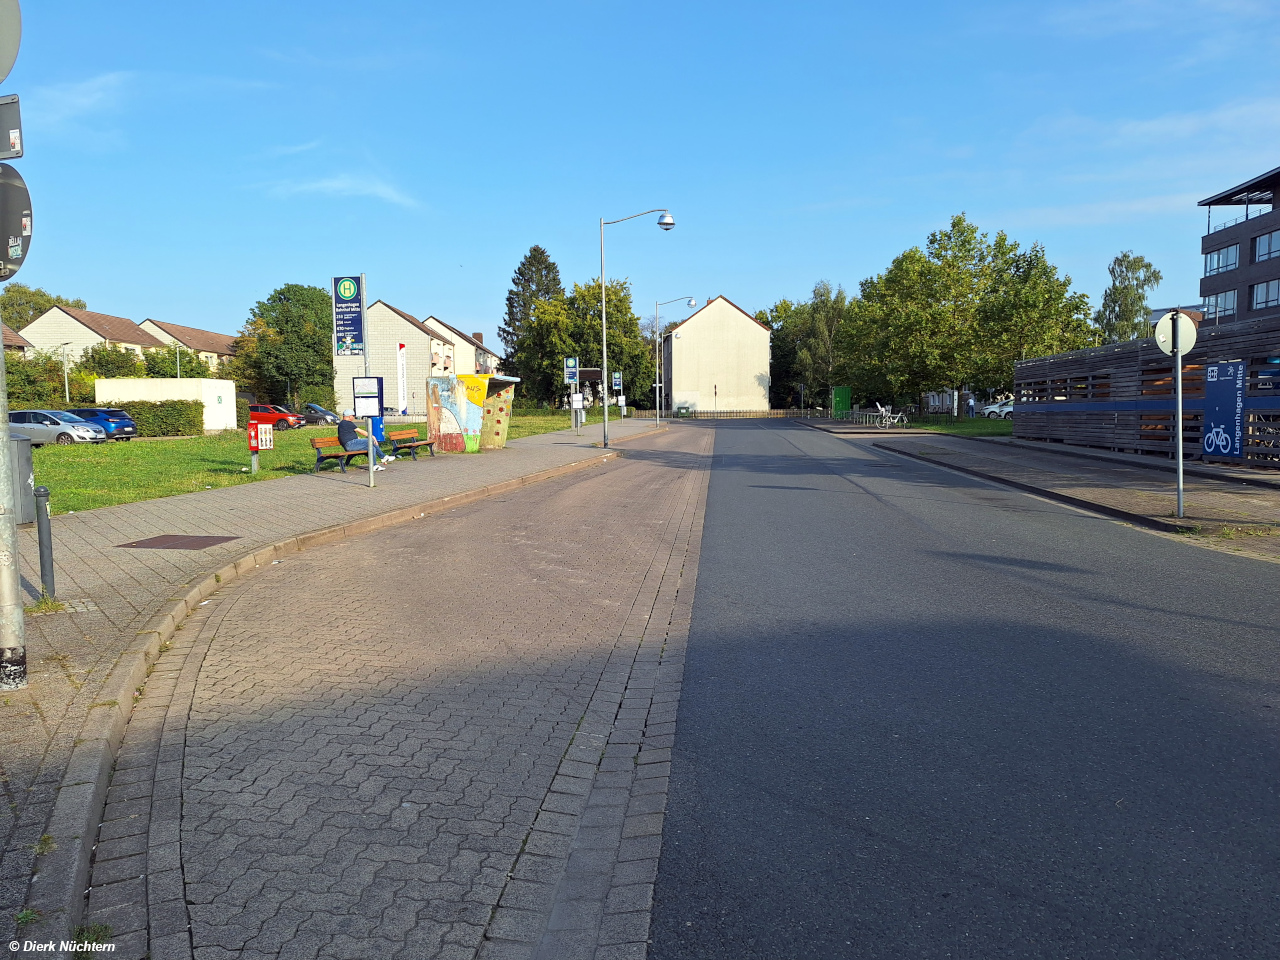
[(186, 159)]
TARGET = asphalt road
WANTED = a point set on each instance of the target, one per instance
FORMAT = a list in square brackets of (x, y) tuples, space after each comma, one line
[(925, 717)]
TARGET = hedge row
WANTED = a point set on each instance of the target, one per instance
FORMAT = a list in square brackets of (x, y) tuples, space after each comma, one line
[(165, 418)]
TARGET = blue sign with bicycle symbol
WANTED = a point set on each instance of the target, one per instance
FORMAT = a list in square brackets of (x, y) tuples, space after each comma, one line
[(1224, 385)]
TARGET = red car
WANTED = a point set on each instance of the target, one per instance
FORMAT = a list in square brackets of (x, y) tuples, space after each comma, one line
[(278, 417)]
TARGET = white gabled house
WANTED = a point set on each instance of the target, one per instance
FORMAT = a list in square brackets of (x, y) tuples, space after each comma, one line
[(717, 359), (81, 329)]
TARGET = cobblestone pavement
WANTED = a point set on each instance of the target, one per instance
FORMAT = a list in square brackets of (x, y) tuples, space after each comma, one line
[(1231, 515), (449, 739), (111, 592)]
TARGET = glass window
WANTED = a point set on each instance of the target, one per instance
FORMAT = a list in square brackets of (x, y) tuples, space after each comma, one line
[(1266, 294), (1220, 305), (1267, 246), (18, 418), (66, 416), (1219, 261)]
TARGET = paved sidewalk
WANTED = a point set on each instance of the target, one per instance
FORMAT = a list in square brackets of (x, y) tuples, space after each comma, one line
[(1220, 510), (111, 593), (458, 748)]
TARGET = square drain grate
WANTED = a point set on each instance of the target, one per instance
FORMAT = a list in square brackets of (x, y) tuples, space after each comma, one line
[(176, 541)]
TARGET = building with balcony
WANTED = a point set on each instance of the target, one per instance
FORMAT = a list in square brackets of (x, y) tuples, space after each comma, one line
[(1242, 254)]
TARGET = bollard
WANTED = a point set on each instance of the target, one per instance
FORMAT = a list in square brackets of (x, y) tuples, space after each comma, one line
[(45, 535)]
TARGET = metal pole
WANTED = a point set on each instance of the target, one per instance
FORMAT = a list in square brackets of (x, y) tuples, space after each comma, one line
[(369, 421), (1177, 413), (604, 342), (45, 537), (66, 381), (13, 644), (177, 358), (657, 367), (364, 322)]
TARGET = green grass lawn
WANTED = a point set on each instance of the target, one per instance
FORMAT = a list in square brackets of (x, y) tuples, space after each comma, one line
[(976, 427), (83, 476), (526, 423)]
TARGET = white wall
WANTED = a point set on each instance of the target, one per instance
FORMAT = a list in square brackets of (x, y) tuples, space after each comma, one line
[(720, 360), (53, 328), (219, 396), (384, 331)]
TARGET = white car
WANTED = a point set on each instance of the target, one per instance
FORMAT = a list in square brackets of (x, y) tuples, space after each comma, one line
[(56, 426), (998, 411)]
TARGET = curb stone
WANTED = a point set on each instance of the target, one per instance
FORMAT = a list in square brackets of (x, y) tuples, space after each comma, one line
[(61, 875)]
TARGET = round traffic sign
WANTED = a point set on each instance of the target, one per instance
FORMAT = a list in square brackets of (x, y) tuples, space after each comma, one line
[(347, 288), (10, 35), (15, 222), (1186, 333)]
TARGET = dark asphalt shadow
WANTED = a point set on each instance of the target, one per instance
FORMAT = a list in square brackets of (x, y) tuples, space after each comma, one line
[(932, 727)]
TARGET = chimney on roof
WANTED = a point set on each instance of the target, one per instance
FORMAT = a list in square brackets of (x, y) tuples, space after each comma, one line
[(478, 338)]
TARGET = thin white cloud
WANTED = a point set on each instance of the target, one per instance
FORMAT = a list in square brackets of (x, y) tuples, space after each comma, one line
[(289, 151), (1097, 213), (63, 104), (345, 185), (1105, 18)]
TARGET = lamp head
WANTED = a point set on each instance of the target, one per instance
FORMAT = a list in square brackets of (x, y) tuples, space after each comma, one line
[(666, 221), (692, 303)]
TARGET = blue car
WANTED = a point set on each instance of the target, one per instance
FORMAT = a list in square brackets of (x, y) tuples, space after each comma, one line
[(118, 424)]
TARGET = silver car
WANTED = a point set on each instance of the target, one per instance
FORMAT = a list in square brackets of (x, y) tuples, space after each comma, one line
[(56, 426)]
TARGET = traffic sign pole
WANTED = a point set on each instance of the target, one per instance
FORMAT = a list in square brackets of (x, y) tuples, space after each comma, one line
[(1176, 336), (1177, 420), (15, 223)]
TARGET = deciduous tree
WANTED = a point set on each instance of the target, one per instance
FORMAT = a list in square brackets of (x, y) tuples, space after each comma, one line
[(1124, 311), (20, 304)]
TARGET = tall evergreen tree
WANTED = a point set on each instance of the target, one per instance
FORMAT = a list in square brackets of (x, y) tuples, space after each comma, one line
[(536, 278)]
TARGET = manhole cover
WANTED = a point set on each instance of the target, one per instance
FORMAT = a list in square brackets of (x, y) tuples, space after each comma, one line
[(176, 541)]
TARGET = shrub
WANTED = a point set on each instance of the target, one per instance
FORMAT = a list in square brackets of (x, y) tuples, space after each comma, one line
[(166, 418), (242, 412), (318, 394), (102, 360)]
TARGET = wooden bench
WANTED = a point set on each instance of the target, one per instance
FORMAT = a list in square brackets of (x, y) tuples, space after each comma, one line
[(408, 440), (330, 448)]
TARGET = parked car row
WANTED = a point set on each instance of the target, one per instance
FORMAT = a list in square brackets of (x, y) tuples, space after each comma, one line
[(100, 424), (998, 411), (282, 418)]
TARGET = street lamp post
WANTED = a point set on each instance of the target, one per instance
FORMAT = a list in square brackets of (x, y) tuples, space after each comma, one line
[(657, 355), (666, 222), (66, 380)]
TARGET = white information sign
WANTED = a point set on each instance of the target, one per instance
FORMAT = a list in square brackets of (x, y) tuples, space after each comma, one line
[(575, 401)]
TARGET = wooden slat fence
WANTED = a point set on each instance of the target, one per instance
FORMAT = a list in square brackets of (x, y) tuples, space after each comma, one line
[(1121, 396)]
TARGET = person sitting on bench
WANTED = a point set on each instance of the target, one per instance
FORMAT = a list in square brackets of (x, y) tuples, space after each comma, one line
[(354, 440)]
